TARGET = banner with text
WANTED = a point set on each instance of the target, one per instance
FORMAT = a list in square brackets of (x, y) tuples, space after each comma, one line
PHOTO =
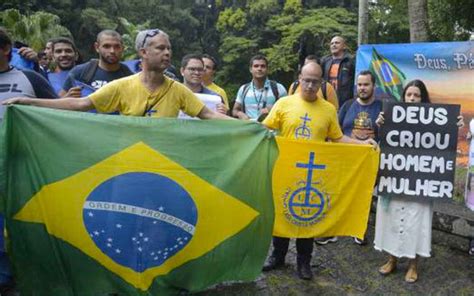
[(418, 143), (447, 69)]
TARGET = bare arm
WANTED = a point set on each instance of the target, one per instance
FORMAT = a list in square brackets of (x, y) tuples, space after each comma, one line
[(77, 104), (237, 111), (73, 92), (347, 140), (207, 113)]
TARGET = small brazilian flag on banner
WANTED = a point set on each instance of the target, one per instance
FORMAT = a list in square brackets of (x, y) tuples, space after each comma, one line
[(98, 204), (389, 78)]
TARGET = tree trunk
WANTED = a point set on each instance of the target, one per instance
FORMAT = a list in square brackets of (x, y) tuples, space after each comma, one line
[(418, 16), (363, 31)]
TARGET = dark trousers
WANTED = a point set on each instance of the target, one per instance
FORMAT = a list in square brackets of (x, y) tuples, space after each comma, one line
[(304, 248)]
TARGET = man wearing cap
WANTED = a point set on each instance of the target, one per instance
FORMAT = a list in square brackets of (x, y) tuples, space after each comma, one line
[(148, 93)]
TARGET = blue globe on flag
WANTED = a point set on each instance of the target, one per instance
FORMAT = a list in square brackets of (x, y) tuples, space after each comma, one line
[(139, 219)]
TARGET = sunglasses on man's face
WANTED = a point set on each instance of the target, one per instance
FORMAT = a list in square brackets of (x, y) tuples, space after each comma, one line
[(150, 34)]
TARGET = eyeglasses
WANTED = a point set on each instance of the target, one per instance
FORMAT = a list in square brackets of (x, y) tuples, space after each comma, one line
[(150, 33), (195, 69), (311, 81)]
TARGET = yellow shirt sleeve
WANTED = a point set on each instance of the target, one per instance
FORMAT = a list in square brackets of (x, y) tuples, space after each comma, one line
[(334, 131), (226, 100), (272, 121), (290, 89), (332, 95), (106, 99)]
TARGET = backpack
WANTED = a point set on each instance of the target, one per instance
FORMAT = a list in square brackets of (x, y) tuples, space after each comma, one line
[(88, 73), (323, 88), (273, 87)]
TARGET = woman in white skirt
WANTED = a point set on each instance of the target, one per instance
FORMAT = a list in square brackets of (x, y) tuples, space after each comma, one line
[(403, 224)]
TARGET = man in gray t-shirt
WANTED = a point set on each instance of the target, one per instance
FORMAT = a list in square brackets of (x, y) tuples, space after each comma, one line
[(19, 83), (14, 83)]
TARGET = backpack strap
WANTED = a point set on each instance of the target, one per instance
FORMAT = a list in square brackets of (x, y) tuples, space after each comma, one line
[(89, 71), (324, 89), (294, 86), (244, 94), (274, 87)]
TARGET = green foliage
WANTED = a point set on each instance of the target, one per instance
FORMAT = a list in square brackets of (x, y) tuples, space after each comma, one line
[(130, 33), (293, 7), (315, 26), (34, 29), (388, 22), (232, 30), (96, 20), (450, 19), (234, 51), (231, 20)]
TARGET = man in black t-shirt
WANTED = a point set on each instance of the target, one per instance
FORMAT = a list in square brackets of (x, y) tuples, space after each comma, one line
[(339, 69), (88, 77)]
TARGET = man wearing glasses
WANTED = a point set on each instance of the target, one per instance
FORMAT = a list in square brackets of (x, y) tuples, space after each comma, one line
[(192, 70), (148, 93), (304, 116)]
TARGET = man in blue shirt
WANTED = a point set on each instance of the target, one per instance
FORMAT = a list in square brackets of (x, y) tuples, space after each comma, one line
[(255, 99), (357, 116), (89, 77), (64, 56)]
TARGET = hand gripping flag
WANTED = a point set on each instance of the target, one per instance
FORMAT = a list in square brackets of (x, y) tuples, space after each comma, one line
[(323, 189), (389, 78), (99, 204)]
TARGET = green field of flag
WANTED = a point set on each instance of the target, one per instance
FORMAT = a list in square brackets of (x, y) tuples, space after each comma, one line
[(99, 204)]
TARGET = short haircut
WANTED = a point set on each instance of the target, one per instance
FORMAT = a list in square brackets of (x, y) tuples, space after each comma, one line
[(143, 37), (5, 41), (63, 40), (311, 57), (191, 56), (425, 97), (368, 73), (339, 36), (214, 61), (110, 33), (258, 57)]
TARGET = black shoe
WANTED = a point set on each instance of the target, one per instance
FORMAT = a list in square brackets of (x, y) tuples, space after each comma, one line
[(304, 271), (273, 263)]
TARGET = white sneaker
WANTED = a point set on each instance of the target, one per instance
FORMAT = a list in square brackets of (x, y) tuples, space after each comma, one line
[(325, 240)]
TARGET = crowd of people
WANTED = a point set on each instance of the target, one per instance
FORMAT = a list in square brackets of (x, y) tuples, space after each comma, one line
[(321, 99)]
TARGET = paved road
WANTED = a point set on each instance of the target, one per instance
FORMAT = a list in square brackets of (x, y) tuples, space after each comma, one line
[(344, 268)]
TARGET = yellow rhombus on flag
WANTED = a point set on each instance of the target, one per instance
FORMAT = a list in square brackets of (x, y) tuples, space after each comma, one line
[(63, 207), (322, 189)]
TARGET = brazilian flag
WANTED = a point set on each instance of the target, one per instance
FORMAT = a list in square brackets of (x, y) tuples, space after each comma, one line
[(389, 78), (99, 204)]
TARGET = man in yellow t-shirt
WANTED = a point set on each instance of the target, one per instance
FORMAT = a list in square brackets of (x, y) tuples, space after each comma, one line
[(210, 67), (326, 90), (148, 93), (304, 116)]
